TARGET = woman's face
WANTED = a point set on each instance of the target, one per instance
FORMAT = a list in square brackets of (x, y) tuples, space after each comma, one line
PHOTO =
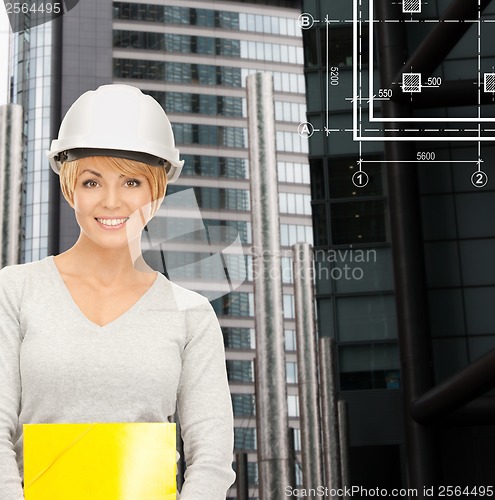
[(111, 208)]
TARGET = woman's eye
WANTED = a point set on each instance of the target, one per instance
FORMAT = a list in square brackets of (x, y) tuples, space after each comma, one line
[(132, 183), (90, 183)]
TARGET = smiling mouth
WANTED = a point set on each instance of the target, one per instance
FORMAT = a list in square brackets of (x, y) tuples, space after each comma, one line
[(112, 222)]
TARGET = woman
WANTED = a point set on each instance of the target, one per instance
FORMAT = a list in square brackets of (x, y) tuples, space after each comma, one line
[(91, 335)]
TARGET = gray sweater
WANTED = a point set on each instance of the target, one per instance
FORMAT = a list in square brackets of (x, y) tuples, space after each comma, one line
[(57, 366)]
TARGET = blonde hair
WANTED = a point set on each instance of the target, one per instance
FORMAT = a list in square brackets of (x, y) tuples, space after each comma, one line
[(156, 176)]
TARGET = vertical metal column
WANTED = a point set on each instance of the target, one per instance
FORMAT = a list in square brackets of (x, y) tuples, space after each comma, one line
[(307, 366), (408, 260), (10, 183), (242, 479), (271, 391), (344, 444), (330, 415), (55, 194)]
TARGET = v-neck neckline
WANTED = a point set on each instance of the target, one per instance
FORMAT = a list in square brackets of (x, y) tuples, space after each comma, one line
[(77, 310)]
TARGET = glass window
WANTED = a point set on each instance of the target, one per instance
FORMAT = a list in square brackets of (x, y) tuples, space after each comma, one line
[(297, 441), (366, 318), (283, 25), (291, 234), (210, 135), (358, 222), (240, 370), (177, 72), (447, 309), (286, 263), (293, 405), (234, 304), (237, 338), (290, 173), (288, 301), (267, 25), (268, 52), (252, 473), (369, 366), (291, 372), (290, 340), (352, 270), (214, 166), (284, 53), (294, 87), (282, 200), (479, 300), (340, 171), (274, 25), (291, 27), (244, 438), (251, 22), (277, 81), (340, 46), (320, 220), (311, 49), (244, 405)]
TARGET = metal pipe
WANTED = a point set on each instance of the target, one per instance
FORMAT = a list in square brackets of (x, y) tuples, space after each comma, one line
[(344, 445), (307, 373), (442, 38), (292, 456), (242, 479), (271, 390), (55, 193), (423, 465), (456, 391), (11, 123), (478, 412), (330, 417)]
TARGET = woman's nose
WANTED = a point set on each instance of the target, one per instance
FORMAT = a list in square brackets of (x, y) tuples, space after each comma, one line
[(111, 198)]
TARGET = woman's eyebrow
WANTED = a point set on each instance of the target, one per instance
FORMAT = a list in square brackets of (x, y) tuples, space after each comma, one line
[(97, 174)]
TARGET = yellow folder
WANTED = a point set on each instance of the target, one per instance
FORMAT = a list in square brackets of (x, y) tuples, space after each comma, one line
[(100, 461)]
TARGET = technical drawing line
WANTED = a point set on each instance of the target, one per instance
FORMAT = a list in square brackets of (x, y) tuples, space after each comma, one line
[(479, 61), (328, 80), (354, 71), (419, 161), (360, 67), (424, 139)]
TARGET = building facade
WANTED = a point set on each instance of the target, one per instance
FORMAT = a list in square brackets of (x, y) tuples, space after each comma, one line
[(443, 240), (193, 59)]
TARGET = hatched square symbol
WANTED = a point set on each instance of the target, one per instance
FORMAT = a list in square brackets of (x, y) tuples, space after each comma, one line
[(411, 82), (411, 6), (489, 80)]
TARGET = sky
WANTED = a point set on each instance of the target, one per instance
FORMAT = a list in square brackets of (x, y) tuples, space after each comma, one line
[(4, 45)]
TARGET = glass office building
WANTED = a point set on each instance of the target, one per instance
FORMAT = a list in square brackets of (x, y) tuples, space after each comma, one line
[(31, 84), (354, 228), (194, 59)]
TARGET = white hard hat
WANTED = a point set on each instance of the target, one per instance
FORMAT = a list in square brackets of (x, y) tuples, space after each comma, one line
[(117, 120)]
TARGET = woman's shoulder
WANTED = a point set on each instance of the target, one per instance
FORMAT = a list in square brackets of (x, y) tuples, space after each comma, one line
[(18, 271), (16, 280)]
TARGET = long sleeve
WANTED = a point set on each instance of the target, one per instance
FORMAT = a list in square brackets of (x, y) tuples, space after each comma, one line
[(205, 409), (10, 383)]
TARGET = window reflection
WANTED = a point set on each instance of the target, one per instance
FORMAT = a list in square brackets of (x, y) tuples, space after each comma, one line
[(243, 405)]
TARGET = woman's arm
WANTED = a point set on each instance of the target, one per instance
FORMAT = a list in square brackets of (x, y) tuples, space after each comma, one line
[(205, 409), (10, 381)]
